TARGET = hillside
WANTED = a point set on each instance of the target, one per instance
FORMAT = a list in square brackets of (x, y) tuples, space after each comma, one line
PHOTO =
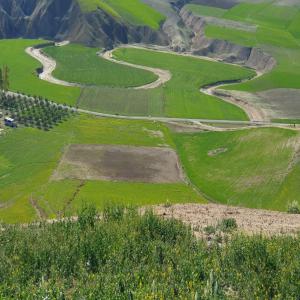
[(90, 22), (127, 256)]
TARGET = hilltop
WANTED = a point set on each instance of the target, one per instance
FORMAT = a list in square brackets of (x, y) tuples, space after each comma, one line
[(92, 22)]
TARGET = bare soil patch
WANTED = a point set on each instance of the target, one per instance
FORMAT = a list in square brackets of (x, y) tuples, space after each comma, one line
[(250, 221), (216, 152), (119, 163)]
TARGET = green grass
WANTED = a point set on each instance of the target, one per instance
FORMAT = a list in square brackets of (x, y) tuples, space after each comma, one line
[(287, 121), (294, 27), (263, 36), (181, 94), (253, 168), (203, 10), (103, 193), (263, 14), (23, 73), (132, 11), (76, 63), (123, 101), (29, 156), (125, 255), (277, 34)]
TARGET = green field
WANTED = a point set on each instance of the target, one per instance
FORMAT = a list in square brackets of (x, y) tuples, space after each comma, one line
[(180, 97), (257, 168), (76, 63), (23, 73), (29, 157), (277, 34), (266, 14), (132, 11), (181, 94), (123, 101), (204, 10)]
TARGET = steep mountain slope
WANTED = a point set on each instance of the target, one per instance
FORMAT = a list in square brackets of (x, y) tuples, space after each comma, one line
[(69, 20)]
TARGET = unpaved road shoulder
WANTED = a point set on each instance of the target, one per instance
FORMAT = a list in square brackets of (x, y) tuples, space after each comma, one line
[(250, 221)]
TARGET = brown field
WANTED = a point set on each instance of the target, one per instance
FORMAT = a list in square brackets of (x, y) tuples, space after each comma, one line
[(249, 221), (119, 163)]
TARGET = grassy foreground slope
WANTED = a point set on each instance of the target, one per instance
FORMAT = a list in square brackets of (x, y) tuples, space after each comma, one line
[(127, 256), (181, 94), (132, 11), (23, 76), (277, 34), (25, 174), (76, 63), (257, 168)]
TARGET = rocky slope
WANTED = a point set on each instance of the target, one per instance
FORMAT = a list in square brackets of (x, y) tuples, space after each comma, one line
[(64, 20), (224, 50)]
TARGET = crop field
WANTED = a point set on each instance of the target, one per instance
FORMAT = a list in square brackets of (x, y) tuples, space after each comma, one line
[(79, 64), (23, 75), (123, 101), (257, 168), (181, 94), (131, 11), (203, 10), (26, 186), (277, 34)]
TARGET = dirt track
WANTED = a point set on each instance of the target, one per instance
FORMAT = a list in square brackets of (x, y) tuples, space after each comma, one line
[(251, 221), (49, 66), (254, 113), (163, 75)]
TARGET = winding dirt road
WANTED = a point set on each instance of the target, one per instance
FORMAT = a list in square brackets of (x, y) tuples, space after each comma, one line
[(49, 65), (163, 75), (254, 113)]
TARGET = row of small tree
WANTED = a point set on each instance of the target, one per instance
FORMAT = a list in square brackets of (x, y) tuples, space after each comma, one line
[(34, 111), (4, 78)]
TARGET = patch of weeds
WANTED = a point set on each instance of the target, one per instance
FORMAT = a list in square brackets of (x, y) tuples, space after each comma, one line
[(293, 208), (227, 225), (168, 204), (210, 229)]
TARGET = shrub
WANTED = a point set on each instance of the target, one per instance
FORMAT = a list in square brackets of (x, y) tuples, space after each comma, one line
[(227, 224), (293, 208), (142, 257)]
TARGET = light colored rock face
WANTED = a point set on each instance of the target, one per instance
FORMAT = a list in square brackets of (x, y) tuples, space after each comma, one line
[(224, 50), (64, 20)]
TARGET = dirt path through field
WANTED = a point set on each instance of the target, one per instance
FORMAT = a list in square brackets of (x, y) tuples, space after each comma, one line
[(251, 221), (254, 113), (163, 75), (49, 65)]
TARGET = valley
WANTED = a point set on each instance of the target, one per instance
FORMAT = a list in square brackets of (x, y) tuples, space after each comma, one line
[(149, 149)]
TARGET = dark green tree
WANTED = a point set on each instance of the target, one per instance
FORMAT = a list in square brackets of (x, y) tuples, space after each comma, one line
[(5, 78), (1, 79)]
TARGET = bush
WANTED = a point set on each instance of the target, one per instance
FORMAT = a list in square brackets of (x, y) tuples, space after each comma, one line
[(293, 208), (227, 224), (129, 256)]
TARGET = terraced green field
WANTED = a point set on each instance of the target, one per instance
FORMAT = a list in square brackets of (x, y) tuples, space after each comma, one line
[(181, 94), (203, 10), (76, 63), (277, 34), (132, 11), (257, 168), (23, 73), (25, 174), (123, 101)]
